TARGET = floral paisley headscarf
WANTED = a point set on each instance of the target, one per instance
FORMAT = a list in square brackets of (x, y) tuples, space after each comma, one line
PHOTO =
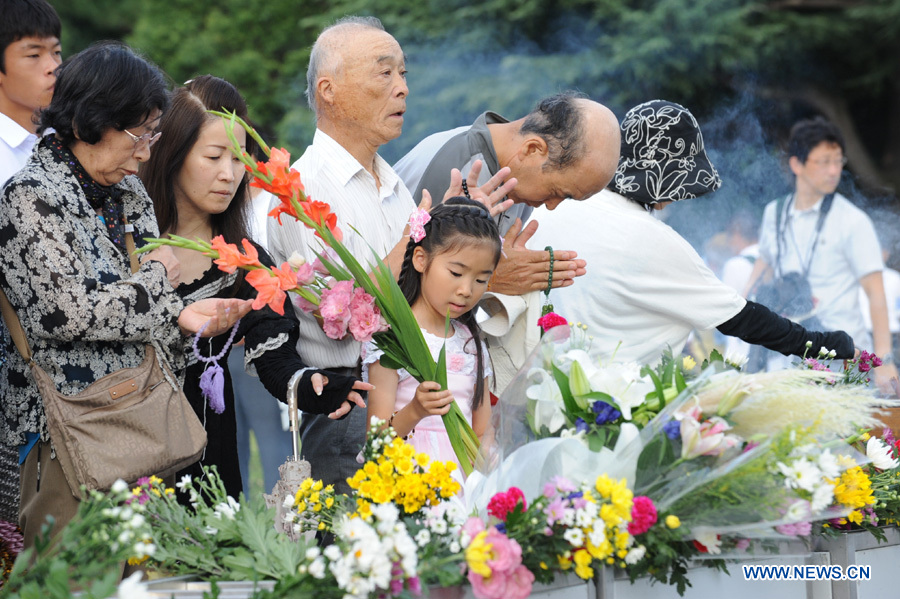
[(662, 157)]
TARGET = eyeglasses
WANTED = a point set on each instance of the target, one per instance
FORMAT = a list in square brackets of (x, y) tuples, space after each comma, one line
[(149, 138), (842, 161)]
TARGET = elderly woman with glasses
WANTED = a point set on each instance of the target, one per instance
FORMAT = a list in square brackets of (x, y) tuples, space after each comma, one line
[(65, 219)]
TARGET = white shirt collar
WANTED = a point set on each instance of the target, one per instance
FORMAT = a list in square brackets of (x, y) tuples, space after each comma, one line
[(346, 166), (13, 133)]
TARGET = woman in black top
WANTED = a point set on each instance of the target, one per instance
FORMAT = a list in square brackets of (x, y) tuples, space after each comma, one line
[(200, 190)]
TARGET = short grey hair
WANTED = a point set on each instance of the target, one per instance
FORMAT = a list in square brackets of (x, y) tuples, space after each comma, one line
[(321, 54), (559, 121)]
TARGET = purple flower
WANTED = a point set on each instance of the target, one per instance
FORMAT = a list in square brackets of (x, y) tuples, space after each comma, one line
[(672, 429), (605, 412), (580, 425), (555, 511)]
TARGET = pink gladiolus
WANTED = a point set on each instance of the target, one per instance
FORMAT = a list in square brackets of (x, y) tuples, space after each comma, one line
[(364, 322), (334, 306), (304, 304), (306, 274)]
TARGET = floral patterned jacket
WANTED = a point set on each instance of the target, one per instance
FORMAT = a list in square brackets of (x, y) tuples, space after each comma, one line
[(84, 313)]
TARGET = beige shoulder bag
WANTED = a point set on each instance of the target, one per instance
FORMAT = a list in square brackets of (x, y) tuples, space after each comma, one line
[(128, 424)]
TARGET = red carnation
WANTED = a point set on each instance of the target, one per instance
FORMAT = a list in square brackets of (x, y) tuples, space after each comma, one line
[(643, 515), (502, 504), (550, 320)]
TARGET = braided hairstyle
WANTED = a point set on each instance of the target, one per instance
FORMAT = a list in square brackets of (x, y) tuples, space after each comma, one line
[(455, 223)]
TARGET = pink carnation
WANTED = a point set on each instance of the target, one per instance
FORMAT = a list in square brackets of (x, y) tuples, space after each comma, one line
[(502, 503), (643, 515), (550, 320)]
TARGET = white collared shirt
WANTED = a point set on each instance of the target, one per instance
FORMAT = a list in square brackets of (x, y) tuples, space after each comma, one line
[(378, 215), (847, 250), (16, 144)]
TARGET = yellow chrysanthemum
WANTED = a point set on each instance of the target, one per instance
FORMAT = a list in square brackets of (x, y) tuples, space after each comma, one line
[(564, 562), (853, 488), (364, 508), (672, 521), (582, 561), (155, 480)]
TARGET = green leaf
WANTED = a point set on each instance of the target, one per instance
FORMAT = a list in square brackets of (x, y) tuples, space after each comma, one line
[(563, 382)]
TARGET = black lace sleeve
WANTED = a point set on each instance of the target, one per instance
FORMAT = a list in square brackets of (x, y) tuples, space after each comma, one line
[(271, 348)]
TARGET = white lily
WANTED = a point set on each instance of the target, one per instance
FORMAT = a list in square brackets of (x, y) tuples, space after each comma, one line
[(548, 407), (881, 455)]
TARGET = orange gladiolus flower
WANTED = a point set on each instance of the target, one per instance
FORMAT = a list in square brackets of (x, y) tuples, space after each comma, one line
[(271, 286), (279, 159), (284, 207), (320, 213), (230, 258)]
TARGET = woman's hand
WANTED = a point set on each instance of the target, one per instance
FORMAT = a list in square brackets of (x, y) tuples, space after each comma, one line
[(221, 314), (320, 381), (431, 401), (165, 256)]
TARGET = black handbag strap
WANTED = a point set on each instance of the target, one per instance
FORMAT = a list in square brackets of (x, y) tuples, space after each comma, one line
[(784, 204)]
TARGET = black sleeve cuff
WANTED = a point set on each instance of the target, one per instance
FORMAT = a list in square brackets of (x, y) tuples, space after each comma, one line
[(758, 325)]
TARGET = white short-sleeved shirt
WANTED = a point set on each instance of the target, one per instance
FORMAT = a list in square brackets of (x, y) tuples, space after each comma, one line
[(891, 295), (16, 144), (645, 286), (378, 215), (847, 251), (736, 274)]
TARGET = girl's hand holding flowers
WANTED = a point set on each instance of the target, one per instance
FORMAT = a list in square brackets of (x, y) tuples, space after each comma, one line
[(430, 400)]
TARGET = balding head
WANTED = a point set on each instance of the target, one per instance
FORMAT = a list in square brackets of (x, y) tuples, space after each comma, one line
[(326, 56), (602, 143), (567, 147)]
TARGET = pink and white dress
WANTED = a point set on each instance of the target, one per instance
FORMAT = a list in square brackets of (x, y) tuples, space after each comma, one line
[(430, 435)]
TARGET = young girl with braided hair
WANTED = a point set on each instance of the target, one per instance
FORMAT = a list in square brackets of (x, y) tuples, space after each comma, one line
[(446, 271)]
